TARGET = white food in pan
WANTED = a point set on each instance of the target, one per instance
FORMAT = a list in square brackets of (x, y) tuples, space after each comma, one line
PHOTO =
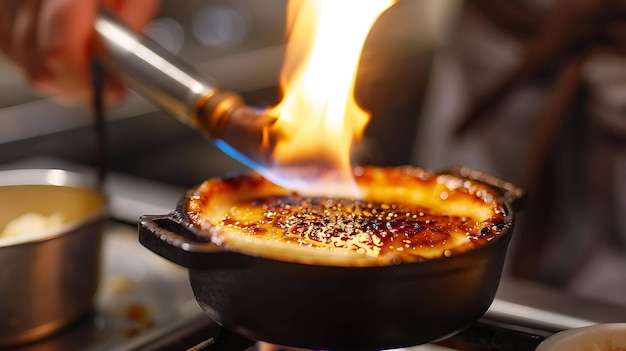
[(31, 223)]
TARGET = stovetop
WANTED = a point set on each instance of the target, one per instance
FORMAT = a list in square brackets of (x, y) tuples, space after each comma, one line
[(145, 302)]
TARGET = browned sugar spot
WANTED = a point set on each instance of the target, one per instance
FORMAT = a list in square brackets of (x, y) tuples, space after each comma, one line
[(352, 224)]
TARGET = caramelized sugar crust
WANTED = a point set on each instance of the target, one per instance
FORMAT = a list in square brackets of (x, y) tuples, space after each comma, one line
[(405, 215)]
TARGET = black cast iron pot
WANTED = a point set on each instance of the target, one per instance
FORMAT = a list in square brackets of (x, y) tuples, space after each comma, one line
[(336, 308)]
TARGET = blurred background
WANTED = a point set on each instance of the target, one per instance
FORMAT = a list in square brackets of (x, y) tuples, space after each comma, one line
[(539, 83)]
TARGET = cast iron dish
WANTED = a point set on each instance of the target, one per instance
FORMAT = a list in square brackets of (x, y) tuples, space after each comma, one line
[(336, 307)]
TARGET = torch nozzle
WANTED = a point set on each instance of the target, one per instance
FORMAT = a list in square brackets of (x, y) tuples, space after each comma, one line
[(250, 136), (238, 128)]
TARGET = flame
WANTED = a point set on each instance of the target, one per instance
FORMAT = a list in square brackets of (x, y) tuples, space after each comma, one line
[(318, 117)]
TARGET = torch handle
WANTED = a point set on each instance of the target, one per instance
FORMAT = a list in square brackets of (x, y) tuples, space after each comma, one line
[(152, 71)]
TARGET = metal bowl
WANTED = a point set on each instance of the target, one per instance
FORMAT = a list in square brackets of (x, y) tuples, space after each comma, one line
[(49, 278)]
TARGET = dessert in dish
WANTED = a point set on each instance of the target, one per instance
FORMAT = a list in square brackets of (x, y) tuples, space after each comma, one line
[(403, 214)]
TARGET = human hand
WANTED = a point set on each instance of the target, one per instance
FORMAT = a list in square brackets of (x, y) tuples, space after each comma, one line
[(51, 42)]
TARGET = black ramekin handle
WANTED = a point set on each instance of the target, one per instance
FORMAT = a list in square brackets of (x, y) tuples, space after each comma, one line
[(515, 195), (169, 237)]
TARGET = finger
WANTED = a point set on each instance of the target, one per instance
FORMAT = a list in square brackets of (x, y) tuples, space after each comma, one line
[(134, 13), (24, 49), (68, 48), (65, 32)]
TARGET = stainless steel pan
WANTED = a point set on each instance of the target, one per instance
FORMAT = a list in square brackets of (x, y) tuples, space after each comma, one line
[(48, 279)]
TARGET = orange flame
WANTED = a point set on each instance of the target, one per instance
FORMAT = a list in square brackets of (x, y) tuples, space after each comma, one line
[(318, 118)]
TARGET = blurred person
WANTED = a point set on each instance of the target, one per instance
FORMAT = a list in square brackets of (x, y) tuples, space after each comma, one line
[(51, 42), (534, 91)]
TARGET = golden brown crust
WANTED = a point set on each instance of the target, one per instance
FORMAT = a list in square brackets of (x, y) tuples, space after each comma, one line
[(406, 214)]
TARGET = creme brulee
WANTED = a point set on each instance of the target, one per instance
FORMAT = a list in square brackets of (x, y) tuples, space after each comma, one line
[(405, 215)]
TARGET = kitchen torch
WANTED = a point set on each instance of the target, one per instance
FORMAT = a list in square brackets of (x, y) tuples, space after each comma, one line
[(161, 77)]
